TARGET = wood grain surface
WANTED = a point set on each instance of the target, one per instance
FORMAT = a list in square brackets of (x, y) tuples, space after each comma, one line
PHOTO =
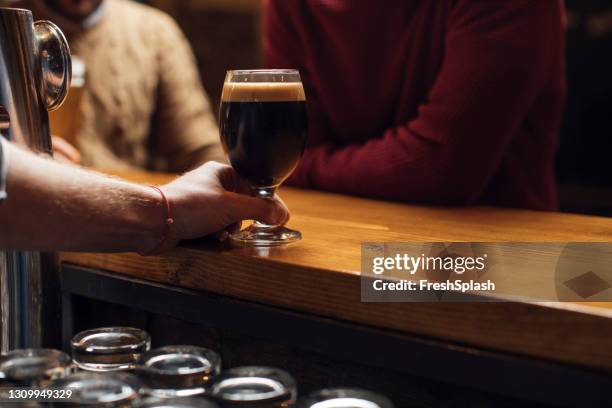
[(320, 274)]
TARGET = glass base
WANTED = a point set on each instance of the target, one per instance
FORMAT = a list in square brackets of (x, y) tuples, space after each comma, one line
[(258, 234)]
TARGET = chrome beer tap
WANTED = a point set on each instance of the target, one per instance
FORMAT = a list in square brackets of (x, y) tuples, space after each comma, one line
[(35, 73)]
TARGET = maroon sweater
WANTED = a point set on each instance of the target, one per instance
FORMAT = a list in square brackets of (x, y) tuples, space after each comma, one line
[(436, 101)]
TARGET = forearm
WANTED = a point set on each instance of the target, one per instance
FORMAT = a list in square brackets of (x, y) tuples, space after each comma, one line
[(407, 165), (398, 166), (57, 207)]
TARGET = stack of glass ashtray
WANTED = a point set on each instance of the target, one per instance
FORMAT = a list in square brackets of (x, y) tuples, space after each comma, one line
[(344, 398), (118, 370), (34, 367), (100, 390), (187, 402), (178, 371), (251, 386), (109, 348)]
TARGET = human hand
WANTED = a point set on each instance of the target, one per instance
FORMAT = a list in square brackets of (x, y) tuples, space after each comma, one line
[(64, 152), (213, 198)]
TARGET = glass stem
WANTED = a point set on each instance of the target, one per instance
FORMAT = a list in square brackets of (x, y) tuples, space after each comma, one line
[(267, 193)]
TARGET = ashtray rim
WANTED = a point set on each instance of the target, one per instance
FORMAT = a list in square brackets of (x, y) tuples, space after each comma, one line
[(142, 340)]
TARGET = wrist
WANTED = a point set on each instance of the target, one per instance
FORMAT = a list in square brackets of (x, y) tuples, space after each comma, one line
[(163, 235)]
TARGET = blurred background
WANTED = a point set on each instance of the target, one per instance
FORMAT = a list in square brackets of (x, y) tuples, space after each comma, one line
[(226, 34), (583, 168)]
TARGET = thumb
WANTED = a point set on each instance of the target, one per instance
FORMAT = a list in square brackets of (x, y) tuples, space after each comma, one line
[(269, 211)]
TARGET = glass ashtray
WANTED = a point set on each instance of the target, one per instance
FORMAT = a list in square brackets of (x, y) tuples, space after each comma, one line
[(253, 386), (344, 398), (34, 367), (186, 402), (109, 348), (178, 371), (108, 390)]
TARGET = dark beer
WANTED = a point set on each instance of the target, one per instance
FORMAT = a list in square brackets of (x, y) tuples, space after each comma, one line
[(263, 129)]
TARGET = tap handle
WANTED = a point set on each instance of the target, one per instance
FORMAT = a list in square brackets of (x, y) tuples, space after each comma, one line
[(55, 62)]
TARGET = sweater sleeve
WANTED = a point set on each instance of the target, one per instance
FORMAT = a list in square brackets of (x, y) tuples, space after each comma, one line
[(186, 132), (498, 57)]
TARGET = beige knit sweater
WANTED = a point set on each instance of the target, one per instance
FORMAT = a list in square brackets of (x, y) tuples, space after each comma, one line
[(143, 105)]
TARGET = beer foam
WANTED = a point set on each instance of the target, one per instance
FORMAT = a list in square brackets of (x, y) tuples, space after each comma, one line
[(263, 92)]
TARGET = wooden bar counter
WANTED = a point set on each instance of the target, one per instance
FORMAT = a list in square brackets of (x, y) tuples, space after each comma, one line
[(320, 275)]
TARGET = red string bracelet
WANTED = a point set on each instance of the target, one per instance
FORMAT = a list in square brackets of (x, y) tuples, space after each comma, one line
[(168, 221)]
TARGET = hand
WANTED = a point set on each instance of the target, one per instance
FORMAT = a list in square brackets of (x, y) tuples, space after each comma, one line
[(213, 198), (64, 152)]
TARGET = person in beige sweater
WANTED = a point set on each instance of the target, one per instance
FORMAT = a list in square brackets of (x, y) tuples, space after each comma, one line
[(143, 105)]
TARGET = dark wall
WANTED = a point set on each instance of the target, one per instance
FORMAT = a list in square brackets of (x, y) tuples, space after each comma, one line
[(586, 140)]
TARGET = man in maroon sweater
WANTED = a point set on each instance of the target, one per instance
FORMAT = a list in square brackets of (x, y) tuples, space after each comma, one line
[(435, 101)]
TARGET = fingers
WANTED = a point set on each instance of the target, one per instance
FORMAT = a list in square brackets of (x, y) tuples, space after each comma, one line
[(242, 186), (64, 150), (226, 175), (270, 211), (231, 181), (237, 204)]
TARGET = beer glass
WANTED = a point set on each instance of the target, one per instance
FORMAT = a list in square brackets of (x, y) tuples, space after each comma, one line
[(263, 123), (66, 120)]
